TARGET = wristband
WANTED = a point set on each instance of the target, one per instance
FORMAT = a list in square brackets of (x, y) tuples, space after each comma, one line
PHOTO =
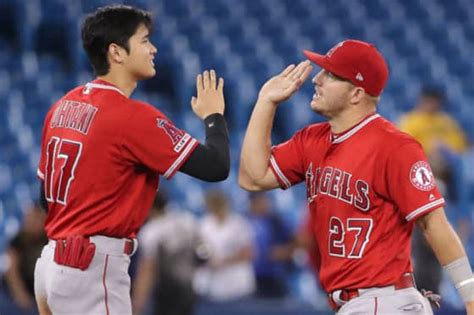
[(460, 273), (215, 124)]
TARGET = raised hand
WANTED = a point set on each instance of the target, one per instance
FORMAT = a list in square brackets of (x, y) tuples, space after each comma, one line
[(282, 86), (210, 95)]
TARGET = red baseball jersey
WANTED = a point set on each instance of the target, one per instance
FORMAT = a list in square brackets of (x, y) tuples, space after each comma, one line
[(365, 188), (101, 157)]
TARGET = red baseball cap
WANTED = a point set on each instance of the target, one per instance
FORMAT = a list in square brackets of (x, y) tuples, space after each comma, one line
[(356, 61)]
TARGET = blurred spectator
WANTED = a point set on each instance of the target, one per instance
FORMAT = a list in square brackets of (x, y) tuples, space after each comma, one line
[(273, 246), (228, 275), (306, 239), (167, 262), (435, 129), (439, 134), (307, 253), (24, 249)]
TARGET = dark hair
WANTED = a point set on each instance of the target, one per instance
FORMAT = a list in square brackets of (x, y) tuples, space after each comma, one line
[(432, 92), (110, 24)]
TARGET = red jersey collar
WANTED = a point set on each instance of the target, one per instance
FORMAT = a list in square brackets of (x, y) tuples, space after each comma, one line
[(340, 137), (101, 84)]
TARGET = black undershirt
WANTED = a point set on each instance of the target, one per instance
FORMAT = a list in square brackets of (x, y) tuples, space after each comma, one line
[(211, 161)]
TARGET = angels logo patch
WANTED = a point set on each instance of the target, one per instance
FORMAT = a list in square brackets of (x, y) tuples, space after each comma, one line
[(421, 176), (174, 133)]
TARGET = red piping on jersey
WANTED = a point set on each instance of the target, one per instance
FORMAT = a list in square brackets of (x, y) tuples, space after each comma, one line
[(349, 133), (105, 286), (101, 84), (428, 207), (189, 146), (376, 306), (276, 169)]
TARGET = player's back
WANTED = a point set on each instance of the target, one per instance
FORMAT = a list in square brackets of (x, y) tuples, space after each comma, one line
[(92, 183)]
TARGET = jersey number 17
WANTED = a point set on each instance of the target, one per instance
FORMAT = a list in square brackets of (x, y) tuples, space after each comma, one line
[(62, 155)]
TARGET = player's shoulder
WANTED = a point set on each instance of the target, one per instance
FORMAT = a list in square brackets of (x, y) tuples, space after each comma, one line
[(72, 95), (142, 108), (75, 90), (315, 130), (388, 134)]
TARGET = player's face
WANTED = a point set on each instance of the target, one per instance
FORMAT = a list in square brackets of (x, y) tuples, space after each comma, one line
[(142, 52), (331, 94)]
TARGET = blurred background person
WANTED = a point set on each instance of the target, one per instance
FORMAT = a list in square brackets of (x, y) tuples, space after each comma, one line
[(306, 240), (22, 253), (228, 275), (273, 247), (169, 254), (436, 130)]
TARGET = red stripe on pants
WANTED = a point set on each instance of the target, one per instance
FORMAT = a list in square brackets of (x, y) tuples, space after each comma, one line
[(105, 286)]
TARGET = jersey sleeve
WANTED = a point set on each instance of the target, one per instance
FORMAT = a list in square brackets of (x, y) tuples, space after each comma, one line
[(411, 183), (151, 139), (287, 161)]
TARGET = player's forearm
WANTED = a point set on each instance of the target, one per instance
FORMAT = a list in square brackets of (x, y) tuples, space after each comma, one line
[(256, 147), (441, 237), (211, 162), (450, 253)]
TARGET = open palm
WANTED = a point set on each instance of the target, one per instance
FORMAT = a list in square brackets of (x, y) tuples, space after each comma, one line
[(280, 87)]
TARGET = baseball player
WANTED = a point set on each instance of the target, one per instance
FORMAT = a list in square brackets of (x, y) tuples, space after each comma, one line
[(102, 154), (367, 184)]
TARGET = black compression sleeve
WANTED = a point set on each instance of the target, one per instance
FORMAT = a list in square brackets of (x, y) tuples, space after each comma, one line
[(211, 162)]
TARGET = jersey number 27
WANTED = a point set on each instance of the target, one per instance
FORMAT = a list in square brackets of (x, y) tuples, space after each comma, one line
[(338, 232), (62, 155)]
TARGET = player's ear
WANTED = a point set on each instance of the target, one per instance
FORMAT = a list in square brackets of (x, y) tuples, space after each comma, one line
[(116, 53), (356, 95)]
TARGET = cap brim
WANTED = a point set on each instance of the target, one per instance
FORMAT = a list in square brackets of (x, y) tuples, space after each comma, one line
[(323, 62), (318, 59)]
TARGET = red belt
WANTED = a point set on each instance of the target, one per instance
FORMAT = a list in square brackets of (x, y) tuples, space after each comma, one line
[(128, 247), (78, 251), (405, 281)]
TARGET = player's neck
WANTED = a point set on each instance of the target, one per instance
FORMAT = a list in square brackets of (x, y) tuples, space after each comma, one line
[(124, 82), (347, 120)]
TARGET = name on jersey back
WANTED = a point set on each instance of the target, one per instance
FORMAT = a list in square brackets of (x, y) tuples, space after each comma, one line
[(74, 115)]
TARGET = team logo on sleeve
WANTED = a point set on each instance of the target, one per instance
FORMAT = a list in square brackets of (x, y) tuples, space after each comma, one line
[(177, 136), (421, 176)]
